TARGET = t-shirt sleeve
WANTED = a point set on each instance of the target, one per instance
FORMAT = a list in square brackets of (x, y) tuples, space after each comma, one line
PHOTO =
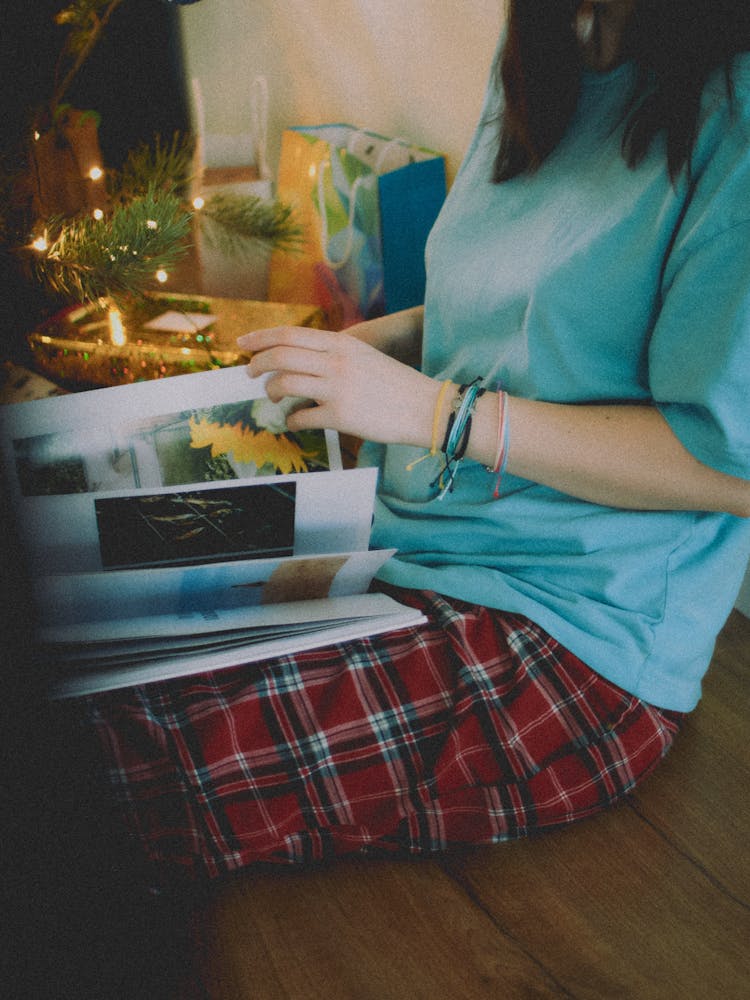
[(699, 362), (699, 355)]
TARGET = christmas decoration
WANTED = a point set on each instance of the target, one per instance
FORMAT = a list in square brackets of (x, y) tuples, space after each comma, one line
[(103, 233), (158, 335)]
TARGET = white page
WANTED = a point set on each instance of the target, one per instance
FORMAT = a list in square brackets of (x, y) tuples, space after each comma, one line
[(392, 616), (85, 540), (221, 619), (93, 607), (118, 407), (115, 438), (325, 513), (161, 436)]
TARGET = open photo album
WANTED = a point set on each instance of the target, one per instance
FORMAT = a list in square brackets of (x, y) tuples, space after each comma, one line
[(173, 527)]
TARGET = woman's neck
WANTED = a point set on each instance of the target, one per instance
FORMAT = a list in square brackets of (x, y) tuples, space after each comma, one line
[(601, 26)]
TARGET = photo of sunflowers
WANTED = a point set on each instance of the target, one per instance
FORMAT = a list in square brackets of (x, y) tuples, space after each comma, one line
[(222, 442), (248, 439)]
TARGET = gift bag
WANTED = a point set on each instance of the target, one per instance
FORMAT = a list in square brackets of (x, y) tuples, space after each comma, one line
[(233, 166), (366, 205), (59, 181)]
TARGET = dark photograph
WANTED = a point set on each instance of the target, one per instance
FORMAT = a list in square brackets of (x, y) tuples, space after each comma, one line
[(170, 529)]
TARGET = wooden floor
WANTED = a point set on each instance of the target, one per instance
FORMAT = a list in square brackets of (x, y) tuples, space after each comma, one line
[(649, 901)]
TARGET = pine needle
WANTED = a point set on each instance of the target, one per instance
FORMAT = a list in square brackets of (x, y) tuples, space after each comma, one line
[(116, 256), (237, 221), (166, 166)]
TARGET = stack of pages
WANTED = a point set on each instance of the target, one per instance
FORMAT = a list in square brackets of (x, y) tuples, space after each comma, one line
[(174, 527)]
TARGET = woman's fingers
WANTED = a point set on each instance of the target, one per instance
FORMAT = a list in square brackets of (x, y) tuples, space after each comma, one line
[(293, 384), (308, 418), (288, 359), (286, 336)]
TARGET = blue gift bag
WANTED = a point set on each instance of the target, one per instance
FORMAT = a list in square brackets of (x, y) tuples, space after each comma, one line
[(366, 205)]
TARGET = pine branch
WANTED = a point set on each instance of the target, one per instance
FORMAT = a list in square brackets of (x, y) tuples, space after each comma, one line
[(119, 255), (86, 26), (238, 220), (164, 166)]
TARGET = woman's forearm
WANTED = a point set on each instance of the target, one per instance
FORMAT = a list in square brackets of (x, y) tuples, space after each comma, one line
[(618, 455)]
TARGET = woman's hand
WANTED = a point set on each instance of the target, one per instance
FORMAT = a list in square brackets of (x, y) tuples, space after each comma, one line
[(357, 389)]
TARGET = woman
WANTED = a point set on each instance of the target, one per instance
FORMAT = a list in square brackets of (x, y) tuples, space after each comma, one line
[(565, 476)]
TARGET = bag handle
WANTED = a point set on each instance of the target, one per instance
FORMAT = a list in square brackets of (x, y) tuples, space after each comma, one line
[(336, 265), (387, 146), (259, 111), (199, 151)]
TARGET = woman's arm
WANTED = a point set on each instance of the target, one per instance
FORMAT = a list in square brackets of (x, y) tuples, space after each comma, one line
[(619, 455), (398, 334)]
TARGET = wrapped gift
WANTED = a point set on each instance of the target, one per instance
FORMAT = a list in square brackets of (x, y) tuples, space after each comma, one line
[(19, 384), (160, 336)]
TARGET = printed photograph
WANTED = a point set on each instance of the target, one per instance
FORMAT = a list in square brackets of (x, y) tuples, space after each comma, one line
[(200, 526), (215, 444)]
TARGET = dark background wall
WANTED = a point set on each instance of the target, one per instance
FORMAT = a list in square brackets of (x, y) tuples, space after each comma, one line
[(80, 922)]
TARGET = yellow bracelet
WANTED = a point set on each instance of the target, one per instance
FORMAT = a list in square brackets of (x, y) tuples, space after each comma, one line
[(435, 427)]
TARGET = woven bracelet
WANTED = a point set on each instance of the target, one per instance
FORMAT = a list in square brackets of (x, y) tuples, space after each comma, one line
[(457, 434)]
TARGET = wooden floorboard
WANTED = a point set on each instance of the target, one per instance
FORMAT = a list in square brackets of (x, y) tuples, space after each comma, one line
[(613, 910), (699, 796), (369, 930), (651, 900)]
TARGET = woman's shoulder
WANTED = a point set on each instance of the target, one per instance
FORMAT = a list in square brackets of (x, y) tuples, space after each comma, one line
[(725, 112), (729, 92), (720, 165), (741, 74)]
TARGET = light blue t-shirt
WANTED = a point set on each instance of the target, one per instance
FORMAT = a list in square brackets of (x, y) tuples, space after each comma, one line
[(587, 282)]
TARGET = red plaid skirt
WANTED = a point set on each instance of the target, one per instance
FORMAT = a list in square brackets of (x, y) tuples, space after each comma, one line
[(474, 728)]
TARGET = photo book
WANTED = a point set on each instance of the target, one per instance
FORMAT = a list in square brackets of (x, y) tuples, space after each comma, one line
[(175, 526)]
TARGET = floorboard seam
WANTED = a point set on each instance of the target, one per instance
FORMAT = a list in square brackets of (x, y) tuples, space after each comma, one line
[(704, 871), (465, 885)]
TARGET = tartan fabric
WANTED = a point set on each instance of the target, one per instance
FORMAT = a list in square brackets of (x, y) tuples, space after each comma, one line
[(475, 728)]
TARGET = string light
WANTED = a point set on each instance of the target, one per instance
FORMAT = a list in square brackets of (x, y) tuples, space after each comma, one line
[(96, 173), (40, 243), (116, 329), (198, 203), (161, 276), (98, 214)]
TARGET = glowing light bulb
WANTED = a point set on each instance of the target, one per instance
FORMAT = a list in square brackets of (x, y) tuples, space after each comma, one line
[(198, 203), (116, 329), (96, 173), (37, 135), (161, 276), (98, 214), (152, 224), (312, 170), (40, 244)]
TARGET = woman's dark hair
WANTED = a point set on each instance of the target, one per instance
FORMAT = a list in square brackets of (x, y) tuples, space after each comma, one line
[(675, 45)]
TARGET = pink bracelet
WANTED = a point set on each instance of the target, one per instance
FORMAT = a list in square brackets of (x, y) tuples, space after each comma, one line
[(501, 458)]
